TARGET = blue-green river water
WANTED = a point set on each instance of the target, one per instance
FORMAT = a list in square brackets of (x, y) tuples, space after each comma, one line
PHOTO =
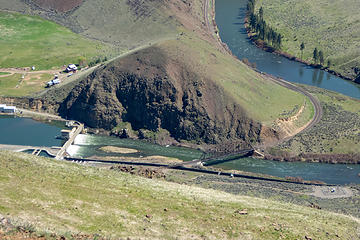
[(23, 131)]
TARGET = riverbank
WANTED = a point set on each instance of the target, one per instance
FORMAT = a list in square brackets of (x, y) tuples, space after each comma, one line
[(265, 47), (67, 197)]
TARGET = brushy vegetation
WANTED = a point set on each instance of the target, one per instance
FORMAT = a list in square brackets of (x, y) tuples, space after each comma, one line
[(337, 132), (332, 27), (32, 41), (63, 197)]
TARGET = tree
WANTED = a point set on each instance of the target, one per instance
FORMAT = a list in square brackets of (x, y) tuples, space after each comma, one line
[(278, 41), (302, 47), (315, 55), (321, 57), (253, 21), (357, 71), (328, 63), (261, 13)]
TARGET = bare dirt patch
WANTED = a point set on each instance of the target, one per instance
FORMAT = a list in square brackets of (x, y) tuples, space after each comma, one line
[(149, 159), (113, 149), (332, 192)]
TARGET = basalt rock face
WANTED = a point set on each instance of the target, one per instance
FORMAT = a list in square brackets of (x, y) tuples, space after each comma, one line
[(152, 91)]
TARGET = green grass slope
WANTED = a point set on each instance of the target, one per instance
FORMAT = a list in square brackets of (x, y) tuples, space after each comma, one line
[(31, 41), (331, 26), (125, 24), (264, 100), (62, 197)]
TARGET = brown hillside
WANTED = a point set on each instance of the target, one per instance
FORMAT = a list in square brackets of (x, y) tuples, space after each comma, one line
[(58, 5), (152, 89)]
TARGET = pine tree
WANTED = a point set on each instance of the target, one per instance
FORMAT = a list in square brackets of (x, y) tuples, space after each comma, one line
[(302, 47), (261, 13), (321, 57), (278, 41), (328, 63), (315, 55)]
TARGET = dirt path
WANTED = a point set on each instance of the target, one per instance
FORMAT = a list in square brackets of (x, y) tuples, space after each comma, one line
[(332, 192), (314, 101), (28, 113), (12, 71)]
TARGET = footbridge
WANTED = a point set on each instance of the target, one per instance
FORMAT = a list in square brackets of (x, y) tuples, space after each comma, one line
[(218, 159), (79, 128)]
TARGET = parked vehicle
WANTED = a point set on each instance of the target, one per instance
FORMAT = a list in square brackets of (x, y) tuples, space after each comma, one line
[(53, 82)]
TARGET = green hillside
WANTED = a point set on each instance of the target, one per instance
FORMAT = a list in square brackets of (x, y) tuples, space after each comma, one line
[(331, 26), (66, 198), (263, 100), (32, 41)]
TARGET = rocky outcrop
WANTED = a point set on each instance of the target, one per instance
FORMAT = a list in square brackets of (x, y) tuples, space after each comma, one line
[(34, 104), (152, 90)]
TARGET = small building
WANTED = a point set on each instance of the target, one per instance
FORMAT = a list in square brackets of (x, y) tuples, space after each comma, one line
[(8, 109), (2, 107)]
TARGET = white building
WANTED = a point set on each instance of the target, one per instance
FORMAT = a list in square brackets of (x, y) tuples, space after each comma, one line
[(2, 107), (7, 109)]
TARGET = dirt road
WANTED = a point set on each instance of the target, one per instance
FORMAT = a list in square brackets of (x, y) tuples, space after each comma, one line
[(315, 102)]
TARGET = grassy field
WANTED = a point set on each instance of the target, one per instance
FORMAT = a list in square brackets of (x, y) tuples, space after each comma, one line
[(337, 132), (16, 86), (31, 41), (331, 26), (61, 197), (264, 100)]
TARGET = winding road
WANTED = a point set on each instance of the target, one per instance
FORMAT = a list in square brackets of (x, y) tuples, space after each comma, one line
[(315, 102)]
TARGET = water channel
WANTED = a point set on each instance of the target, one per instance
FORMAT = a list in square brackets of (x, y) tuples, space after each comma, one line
[(230, 17)]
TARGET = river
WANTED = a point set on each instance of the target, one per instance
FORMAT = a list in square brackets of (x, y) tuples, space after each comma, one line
[(28, 132), (24, 131), (230, 16)]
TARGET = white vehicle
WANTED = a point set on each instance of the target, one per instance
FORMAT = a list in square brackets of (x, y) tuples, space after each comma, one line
[(53, 82), (71, 68)]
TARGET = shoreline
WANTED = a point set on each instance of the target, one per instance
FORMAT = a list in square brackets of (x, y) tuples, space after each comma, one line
[(319, 156), (262, 45)]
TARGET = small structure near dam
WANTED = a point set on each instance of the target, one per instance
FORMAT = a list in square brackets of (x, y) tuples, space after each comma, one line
[(55, 152), (7, 109)]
